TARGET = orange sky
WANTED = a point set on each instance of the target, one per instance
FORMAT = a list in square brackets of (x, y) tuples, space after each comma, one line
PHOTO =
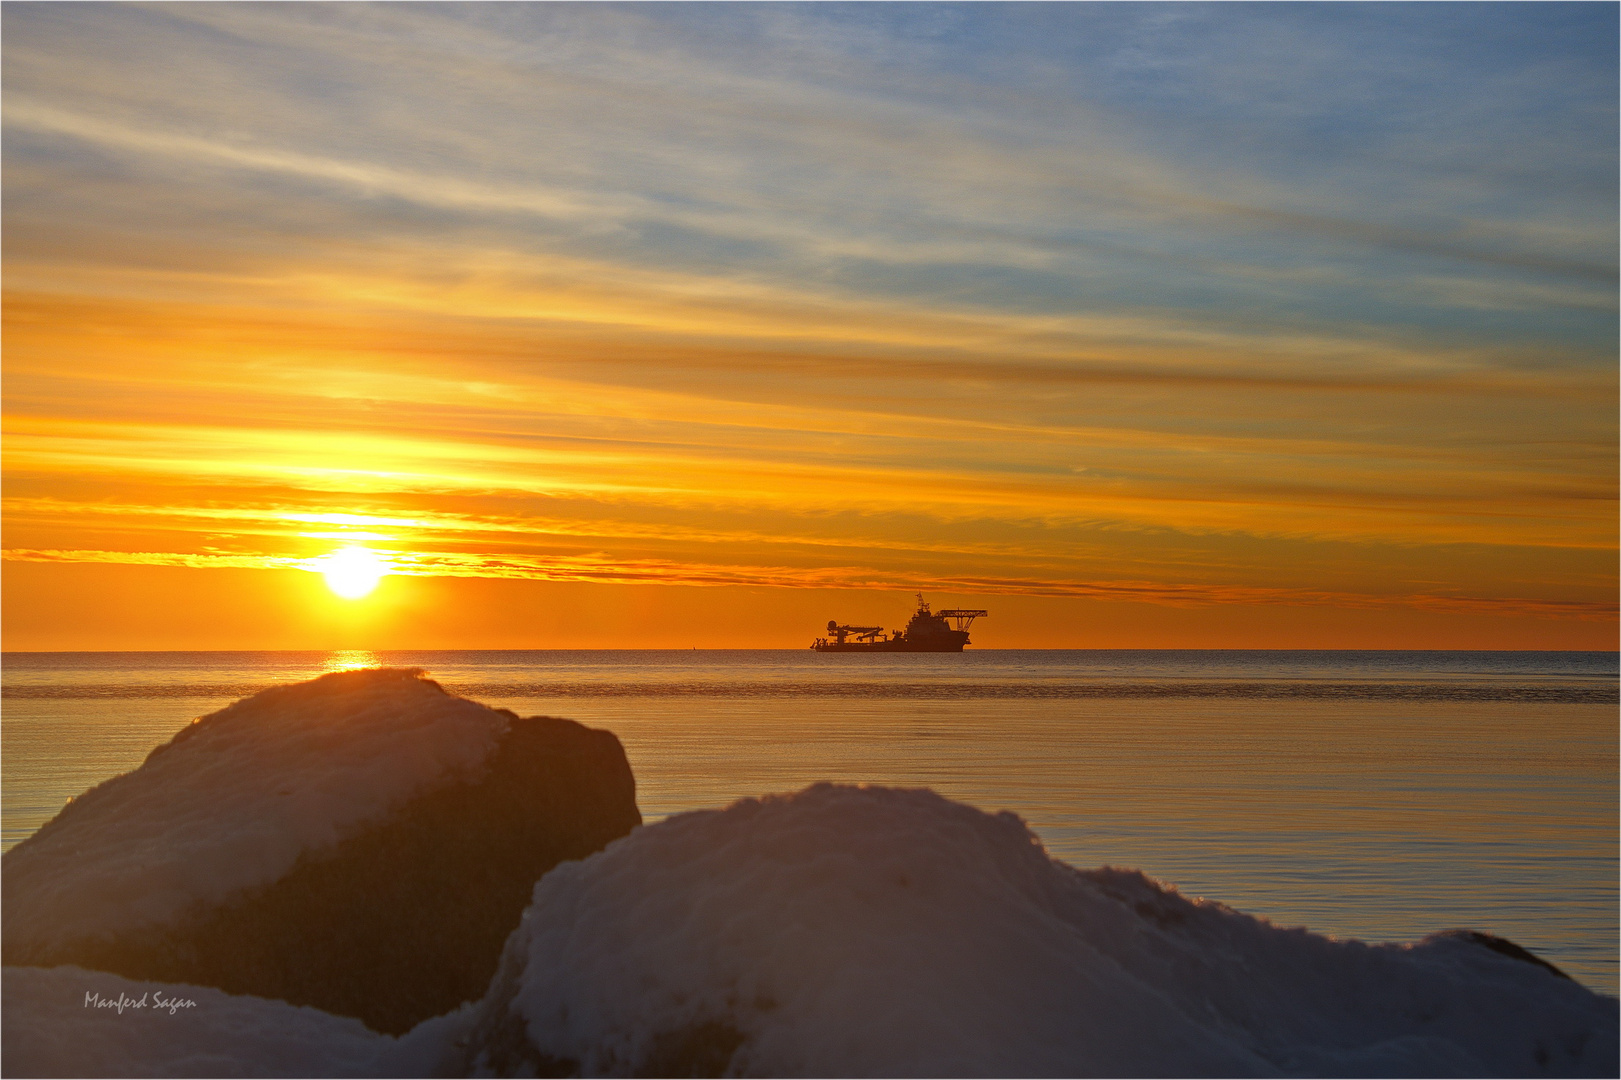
[(603, 339)]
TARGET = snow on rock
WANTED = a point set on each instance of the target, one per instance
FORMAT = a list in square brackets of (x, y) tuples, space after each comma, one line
[(878, 932), (362, 842), (70, 1022), (233, 800)]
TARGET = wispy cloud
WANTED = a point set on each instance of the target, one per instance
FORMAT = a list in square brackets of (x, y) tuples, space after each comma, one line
[(1011, 298), (643, 572)]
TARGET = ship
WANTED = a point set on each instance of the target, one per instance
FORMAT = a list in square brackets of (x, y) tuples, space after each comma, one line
[(929, 631)]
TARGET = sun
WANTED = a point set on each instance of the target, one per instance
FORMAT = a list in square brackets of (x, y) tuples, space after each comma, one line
[(352, 572)]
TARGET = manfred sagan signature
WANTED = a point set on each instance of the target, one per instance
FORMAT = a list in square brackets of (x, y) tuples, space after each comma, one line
[(146, 1000)]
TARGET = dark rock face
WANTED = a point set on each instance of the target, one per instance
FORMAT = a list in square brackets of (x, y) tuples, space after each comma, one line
[(404, 920)]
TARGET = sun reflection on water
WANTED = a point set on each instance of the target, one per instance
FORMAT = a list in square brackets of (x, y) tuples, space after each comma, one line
[(349, 660)]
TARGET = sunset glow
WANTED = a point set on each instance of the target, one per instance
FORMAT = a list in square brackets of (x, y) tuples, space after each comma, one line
[(1057, 302)]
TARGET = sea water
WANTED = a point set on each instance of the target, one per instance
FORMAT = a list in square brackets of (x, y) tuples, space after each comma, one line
[(1374, 795)]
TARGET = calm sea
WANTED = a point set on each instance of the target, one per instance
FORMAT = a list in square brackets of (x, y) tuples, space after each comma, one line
[(1376, 795)]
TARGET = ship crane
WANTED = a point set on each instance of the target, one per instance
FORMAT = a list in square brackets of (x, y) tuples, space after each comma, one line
[(860, 633), (962, 618)]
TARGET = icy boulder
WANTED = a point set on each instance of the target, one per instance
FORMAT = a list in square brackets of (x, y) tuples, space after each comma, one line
[(877, 932), (363, 843), (71, 1022)]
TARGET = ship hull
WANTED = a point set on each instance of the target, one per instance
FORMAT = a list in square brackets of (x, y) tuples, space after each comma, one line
[(892, 646), (928, 631)]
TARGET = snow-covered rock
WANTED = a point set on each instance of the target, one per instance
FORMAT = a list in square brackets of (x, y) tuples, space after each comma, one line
[(363, 842), (878, 932), (70, 1022)]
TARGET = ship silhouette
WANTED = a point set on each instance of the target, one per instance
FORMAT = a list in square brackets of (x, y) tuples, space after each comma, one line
[(929, 631)]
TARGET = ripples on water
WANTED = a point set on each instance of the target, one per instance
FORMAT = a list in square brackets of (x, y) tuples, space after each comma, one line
[(1062, 674), (1366, 794)]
